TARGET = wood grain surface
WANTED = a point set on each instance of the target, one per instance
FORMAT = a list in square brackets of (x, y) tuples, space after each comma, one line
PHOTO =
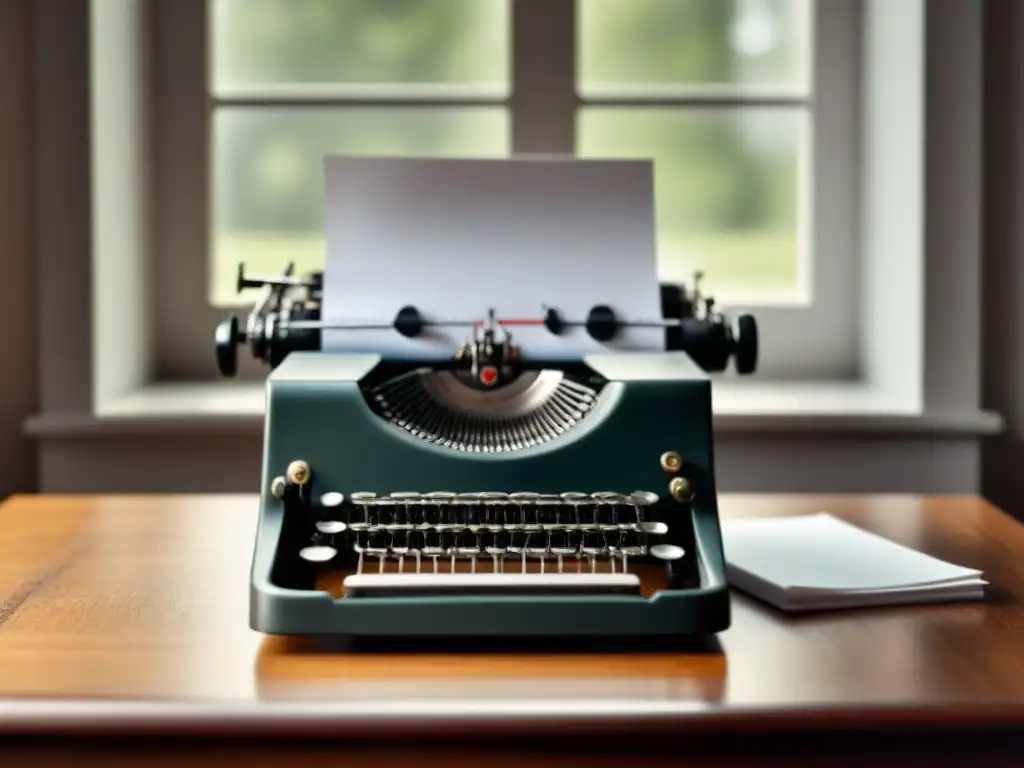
[(121, 613)]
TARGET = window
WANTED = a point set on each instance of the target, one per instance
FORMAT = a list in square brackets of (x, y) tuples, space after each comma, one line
[(745, 106)]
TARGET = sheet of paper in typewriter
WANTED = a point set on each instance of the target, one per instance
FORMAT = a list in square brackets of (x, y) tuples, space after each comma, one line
[(456, 238)]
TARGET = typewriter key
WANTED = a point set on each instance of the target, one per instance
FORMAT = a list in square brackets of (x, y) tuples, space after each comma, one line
[(363, 499), (386, 511), (318, 553), (643, 498), (654, 527), (667, 551), (575, 500), (332, 499), (640, 500), (492, 501), (330, 527), (605, 503), (523, 499)]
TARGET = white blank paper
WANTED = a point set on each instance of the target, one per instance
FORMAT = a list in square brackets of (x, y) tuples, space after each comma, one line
[(811, 562), (457, 237)]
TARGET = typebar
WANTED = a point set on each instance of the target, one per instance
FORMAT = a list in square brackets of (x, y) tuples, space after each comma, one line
[(434, 584)]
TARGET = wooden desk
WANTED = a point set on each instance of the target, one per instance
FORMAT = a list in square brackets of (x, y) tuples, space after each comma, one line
[(130, 615)]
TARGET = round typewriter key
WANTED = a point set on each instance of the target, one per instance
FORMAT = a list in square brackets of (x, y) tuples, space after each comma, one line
[(654, 527), (548, 500), (405, 496), (573, 497), (667, 551), (643, 498), (330, 527), (318, 553), (332, 499)]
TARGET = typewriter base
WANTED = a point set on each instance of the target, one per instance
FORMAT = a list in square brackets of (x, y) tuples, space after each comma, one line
[(668, 615), (663, 609)]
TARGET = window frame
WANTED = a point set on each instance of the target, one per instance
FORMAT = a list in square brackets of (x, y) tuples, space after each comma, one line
[(911, 423), (543, 105)]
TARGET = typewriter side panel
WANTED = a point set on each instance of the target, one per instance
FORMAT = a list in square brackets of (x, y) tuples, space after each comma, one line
[(324, 421)]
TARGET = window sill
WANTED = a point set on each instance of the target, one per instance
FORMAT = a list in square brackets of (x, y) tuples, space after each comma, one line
[(751, 408)]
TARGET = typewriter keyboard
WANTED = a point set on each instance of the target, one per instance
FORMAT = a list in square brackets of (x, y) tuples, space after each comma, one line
[(592, 537)]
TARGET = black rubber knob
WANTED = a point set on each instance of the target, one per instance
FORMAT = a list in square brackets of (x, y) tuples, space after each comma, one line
[(553, 322), (408, 322), (602, 324), (226, 340), (746, 344)]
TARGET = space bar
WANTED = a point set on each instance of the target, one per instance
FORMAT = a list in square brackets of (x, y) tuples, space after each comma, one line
[(430, 584)]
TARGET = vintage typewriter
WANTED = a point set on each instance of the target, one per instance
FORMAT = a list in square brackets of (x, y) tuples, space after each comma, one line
[(487, 494)]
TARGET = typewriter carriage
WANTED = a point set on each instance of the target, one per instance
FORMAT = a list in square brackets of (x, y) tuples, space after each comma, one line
[(540, 426)]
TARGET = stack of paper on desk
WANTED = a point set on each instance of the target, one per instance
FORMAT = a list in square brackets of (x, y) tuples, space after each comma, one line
[(817, 562)]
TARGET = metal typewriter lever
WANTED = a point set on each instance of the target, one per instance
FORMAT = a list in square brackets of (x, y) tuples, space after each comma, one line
[(492, 359), (273, 310)]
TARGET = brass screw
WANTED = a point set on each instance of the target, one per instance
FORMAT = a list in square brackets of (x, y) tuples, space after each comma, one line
[(277, 487), (671, 461), (680, 489), (298, 472)]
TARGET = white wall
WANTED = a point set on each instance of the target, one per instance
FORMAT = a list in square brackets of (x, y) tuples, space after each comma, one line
[(1003, 296)]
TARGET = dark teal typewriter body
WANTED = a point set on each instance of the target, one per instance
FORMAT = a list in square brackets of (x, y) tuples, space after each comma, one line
[(436, 518)]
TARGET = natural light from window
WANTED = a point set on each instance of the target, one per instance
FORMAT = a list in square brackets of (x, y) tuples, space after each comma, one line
[(716, 92)]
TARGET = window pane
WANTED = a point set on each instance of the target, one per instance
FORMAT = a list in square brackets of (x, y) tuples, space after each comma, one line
[(732, 43), (447, 42), (269, 180), (727, 186)]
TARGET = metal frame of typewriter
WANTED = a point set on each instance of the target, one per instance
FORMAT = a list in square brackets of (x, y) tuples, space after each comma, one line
[(545, 484)]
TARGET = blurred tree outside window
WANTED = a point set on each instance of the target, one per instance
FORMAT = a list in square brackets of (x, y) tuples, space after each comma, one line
[(716, 92)]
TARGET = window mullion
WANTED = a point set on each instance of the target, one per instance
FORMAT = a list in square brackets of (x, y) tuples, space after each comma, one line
[(543, 102)]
